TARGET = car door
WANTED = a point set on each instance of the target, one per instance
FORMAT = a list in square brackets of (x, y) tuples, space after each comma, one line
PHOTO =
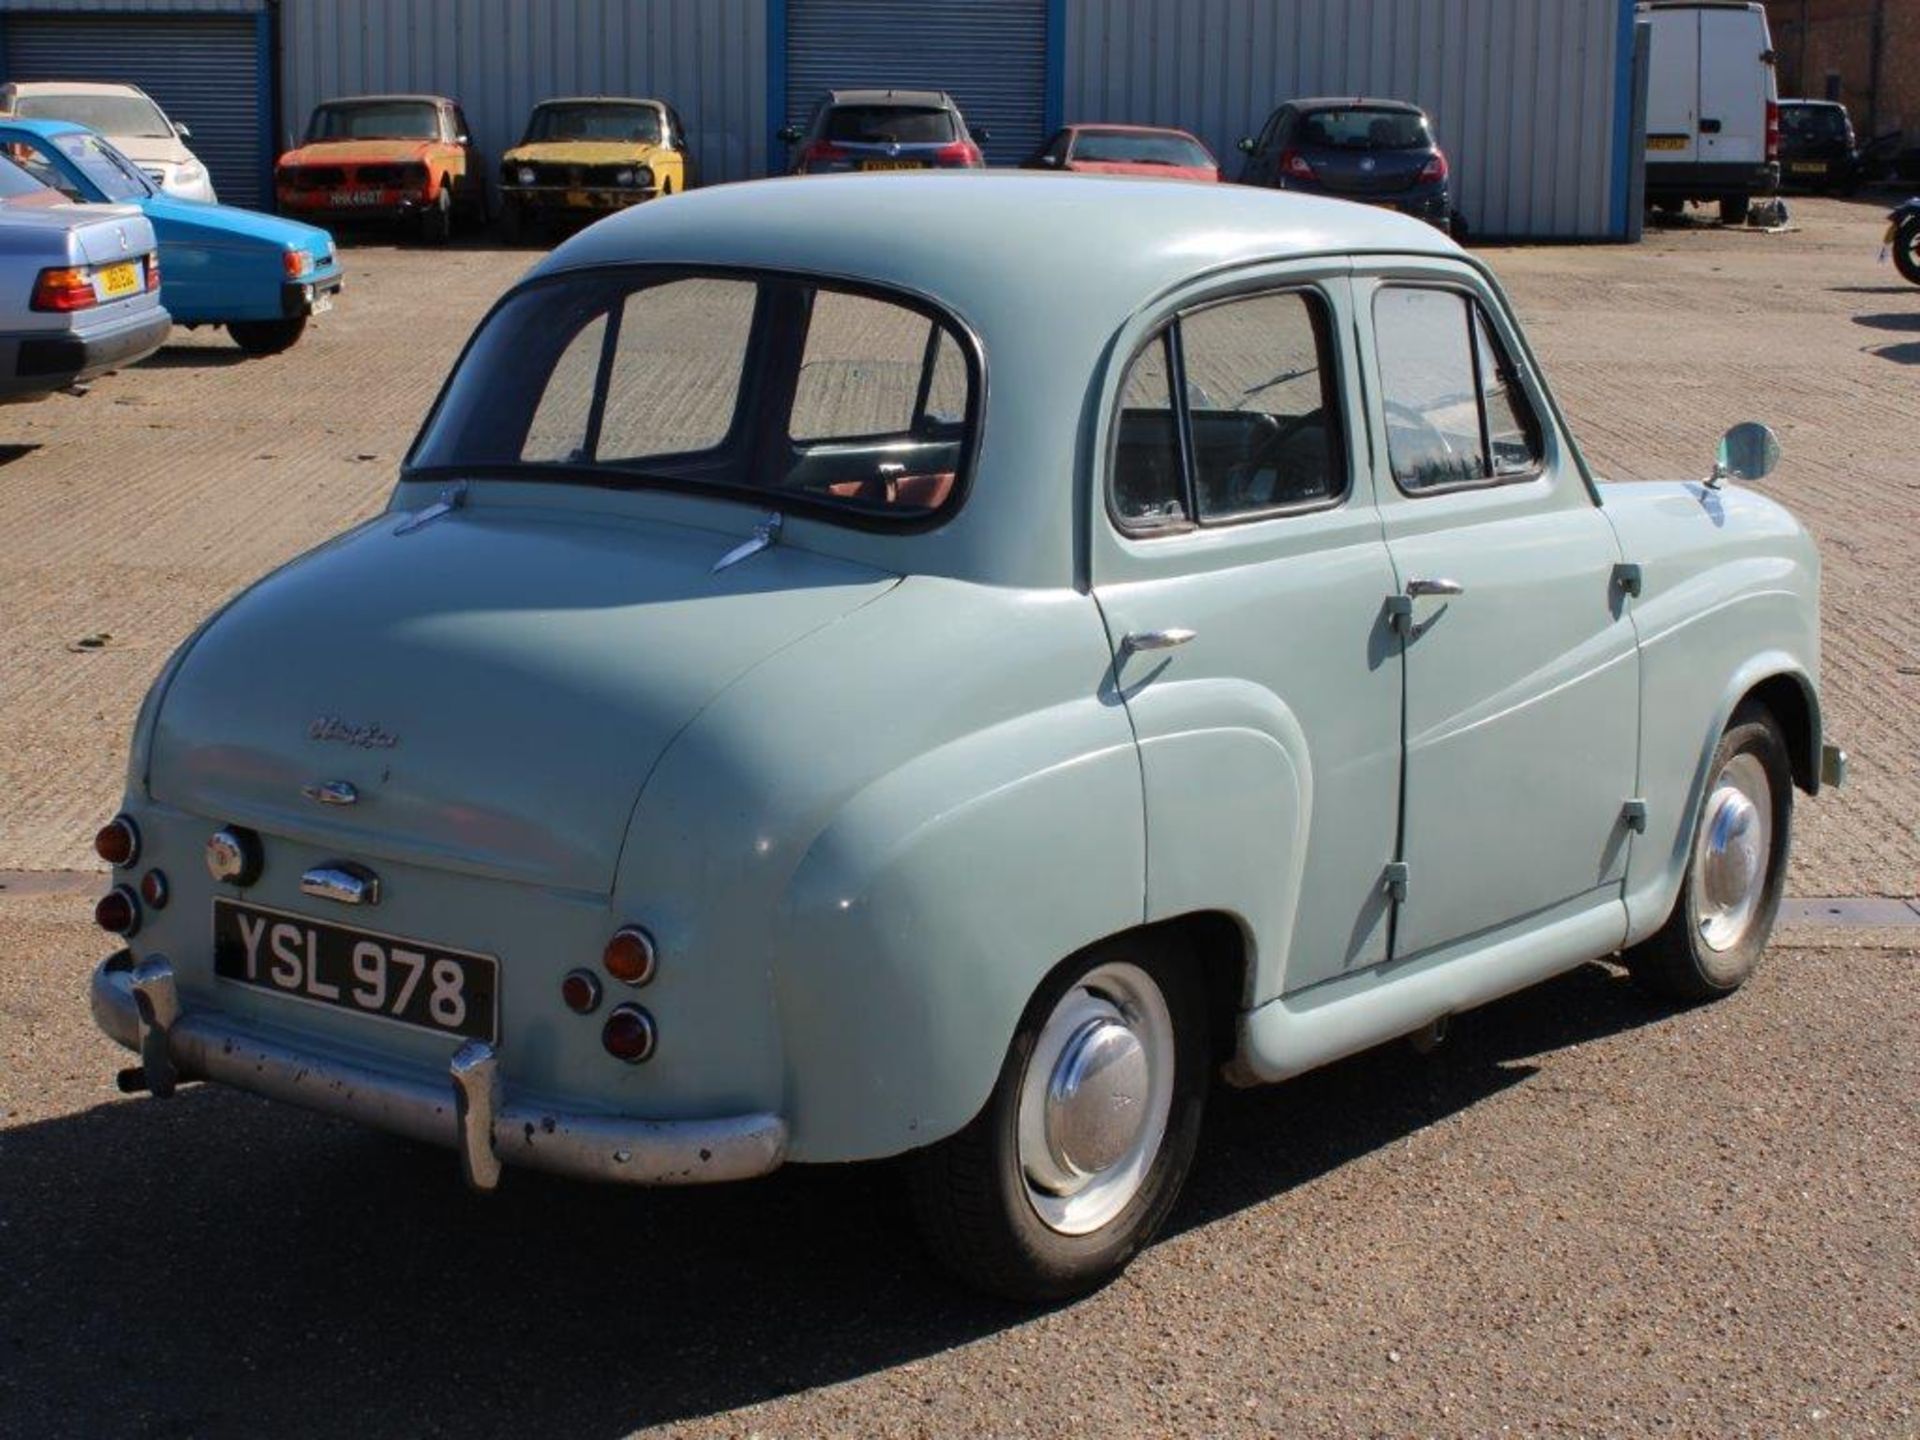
[(1734, 88), (1673, 87), (1236, 555), (1261, 162), (1522, 671)]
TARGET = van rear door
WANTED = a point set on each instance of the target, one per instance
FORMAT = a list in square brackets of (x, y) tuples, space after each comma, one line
[(1735, 84), (1673, 87)]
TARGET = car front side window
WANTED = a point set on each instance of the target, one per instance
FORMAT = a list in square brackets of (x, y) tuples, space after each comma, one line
[(1454, 410)]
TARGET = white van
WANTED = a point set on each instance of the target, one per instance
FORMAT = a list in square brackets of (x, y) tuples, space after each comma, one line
[(1713, 114)]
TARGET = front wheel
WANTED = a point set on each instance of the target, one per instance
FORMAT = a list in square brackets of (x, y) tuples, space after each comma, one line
[(1082, 1149), (1712, 941), (267, 337), (1906, 249), (436, 221)]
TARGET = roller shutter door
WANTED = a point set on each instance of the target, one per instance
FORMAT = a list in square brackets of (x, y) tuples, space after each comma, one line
[(990, 55), (204, 70)]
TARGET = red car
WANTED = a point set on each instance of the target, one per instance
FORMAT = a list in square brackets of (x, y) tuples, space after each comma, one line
[(1127, 150)]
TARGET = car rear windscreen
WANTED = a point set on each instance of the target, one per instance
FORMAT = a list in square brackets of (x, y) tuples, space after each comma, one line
[(890, 125), (1119, 147), (1813, 122), (1363, 129)]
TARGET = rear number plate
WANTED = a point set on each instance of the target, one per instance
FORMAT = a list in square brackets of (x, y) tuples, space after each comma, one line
[(450, 992), (891, 165), (1666, 142), (119, 280), (1809, 167)]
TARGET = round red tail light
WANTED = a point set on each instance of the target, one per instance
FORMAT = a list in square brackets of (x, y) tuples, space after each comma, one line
[(581, 990), (629, 956), (117, 912), (628, 1034), (118, 842)]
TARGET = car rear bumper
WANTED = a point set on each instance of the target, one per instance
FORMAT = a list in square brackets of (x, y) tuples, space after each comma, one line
[(1431, 203), (469, 1110), (39, 364), (1692, 180)]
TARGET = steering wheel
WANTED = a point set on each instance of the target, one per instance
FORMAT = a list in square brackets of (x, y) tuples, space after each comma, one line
[(1431, 435)]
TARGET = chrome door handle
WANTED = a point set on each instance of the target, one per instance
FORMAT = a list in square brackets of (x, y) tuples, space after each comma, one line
[(1157, 639), (1417, 588)]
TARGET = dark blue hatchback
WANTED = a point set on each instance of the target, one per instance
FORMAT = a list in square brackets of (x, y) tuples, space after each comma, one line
[(1378, 152)]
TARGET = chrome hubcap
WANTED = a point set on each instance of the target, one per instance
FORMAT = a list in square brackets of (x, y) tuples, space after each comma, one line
[(1095, 1098), (1732, 854)]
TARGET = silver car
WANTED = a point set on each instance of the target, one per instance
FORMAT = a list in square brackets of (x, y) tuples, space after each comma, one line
[(129, 117), (79, 288)]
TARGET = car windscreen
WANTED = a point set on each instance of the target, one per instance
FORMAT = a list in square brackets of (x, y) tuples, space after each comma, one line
[(17, 184), (1361, 128), (382, 120), (890, 125), (1813, 122), (115, 176), (785, 391), (630, 124), (124, 115), (1121, 147)]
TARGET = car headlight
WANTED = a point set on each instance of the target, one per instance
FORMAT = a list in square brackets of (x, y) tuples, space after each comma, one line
[(190, 172), (644, 177), (625, 177), (296, 263), (525, 175)]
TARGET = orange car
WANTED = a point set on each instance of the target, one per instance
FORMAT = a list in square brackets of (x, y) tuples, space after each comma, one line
[(389, 157)]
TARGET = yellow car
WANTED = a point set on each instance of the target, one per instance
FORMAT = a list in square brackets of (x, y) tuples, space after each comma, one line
[(594, 154)]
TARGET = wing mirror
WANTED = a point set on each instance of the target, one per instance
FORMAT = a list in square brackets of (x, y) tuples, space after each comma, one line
[(183, 132), (790, 134), (1749, 451), (1246, 146), (983, 136)]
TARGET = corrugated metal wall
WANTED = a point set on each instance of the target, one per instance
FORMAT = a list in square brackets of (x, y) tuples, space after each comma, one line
[(1522, 92), (498, 57), (990, 55)]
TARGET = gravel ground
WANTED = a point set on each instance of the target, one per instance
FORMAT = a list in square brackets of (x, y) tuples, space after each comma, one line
[(1585, 1214)]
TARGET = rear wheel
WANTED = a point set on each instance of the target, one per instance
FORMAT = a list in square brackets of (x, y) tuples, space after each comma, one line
[(1082, 1149), (1713, 939), (1735, 208), (1906, 249), (1668, 207), (267, 337)]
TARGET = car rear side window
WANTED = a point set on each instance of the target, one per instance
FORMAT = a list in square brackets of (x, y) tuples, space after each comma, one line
[(776, 389), (1256, 428), (1455, 412)]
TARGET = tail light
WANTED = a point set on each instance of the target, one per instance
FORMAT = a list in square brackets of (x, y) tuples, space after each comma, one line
[(628, 1034), (63, 290), (823, 152), (153, 271), (118, 912), (580, 990), (1435, 170), (118, 842), (1773, 131), (1296, 166), (961, 154), (629, 956)]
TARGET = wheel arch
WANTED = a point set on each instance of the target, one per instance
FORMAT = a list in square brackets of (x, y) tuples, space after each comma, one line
[(1790, 698)]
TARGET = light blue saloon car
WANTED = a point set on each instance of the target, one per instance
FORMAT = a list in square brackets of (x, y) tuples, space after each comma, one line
[(946, 665), (258, 275)]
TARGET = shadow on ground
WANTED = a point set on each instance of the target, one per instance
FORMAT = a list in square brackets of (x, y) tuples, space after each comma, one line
[(195, 357), (11, 453), (216, 1265), (1890, 320)]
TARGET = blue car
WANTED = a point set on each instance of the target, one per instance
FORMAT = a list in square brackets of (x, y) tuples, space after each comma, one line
[(1377, 152), (258, 275)]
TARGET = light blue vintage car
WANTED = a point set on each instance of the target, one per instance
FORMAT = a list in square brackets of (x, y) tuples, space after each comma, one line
[(947, 664), (258, 275)]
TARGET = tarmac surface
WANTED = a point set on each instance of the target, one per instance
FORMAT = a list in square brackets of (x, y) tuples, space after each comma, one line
[(1586, 1214)]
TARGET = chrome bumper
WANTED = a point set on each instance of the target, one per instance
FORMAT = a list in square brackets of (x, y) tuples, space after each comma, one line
[(139, 1006), (1833, 766)]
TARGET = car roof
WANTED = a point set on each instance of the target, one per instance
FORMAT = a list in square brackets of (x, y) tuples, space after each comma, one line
[(1355, 102), (938, 98), (598, 100), (43, 127), (1814, 104), (74, 87), (377, 99), (992, 240), (1079, 125)]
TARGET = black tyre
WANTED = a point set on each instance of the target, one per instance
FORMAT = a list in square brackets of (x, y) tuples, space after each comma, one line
[(513, 222), (1734, 209), (1082, 1149), (1906, 250), (1736, 865), (436, 221), (267, 337)]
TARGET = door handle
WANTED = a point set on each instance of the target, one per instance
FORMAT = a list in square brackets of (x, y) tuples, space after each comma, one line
[(1417, 588), (1157, 639), (1709, 127)]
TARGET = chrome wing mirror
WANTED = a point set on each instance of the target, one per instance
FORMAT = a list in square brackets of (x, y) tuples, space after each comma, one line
[(1749, 451)]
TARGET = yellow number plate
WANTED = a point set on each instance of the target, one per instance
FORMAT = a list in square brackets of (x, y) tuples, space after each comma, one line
[(118, 280), (890, 165), (1666, 142), (1809, 167), (579, 199)]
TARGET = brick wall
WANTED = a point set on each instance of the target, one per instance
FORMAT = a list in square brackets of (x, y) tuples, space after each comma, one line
[(1824, 43)]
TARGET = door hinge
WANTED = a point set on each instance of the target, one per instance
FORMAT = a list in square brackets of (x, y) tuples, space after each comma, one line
[(1627, 579), (1400, 612), (1633, 815), (1395, 881)]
